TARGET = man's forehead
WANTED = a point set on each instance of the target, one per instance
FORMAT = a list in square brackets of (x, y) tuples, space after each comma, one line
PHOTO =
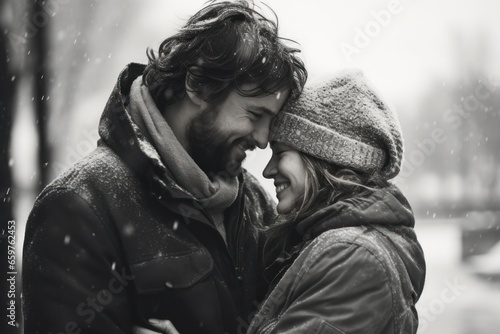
[(268, 104)]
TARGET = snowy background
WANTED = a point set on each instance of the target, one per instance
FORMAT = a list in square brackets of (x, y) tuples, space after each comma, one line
[(435, 61)]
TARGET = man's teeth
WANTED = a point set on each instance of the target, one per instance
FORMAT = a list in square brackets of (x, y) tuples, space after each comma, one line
[(282, 187)]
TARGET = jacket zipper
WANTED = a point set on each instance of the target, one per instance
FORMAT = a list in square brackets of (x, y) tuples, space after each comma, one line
[(237, 260), (238, 268)]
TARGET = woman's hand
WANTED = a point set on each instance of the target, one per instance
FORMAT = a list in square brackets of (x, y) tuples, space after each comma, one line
[(164, 326)]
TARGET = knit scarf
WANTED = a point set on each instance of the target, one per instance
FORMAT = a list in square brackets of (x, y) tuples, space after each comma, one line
[(215, 194)]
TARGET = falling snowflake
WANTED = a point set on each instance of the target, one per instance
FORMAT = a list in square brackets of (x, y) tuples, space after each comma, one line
[(176, 225), (128, 230), (169, 285), (67, 239)]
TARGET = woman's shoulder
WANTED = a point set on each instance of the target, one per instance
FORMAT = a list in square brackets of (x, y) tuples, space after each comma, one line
[(345, 237), (375, 243)]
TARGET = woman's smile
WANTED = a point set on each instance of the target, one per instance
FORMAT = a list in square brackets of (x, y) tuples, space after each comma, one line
[(281, 187), (287, 169)]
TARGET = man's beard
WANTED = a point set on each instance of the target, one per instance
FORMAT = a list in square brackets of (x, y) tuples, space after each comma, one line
[(207, 147)]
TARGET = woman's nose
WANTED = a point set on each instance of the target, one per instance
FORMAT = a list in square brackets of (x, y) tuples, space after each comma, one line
[(270, 169)]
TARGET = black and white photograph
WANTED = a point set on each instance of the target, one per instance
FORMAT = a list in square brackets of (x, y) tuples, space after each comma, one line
[(250, 166)]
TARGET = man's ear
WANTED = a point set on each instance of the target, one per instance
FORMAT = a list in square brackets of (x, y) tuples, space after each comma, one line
[(193, 96)]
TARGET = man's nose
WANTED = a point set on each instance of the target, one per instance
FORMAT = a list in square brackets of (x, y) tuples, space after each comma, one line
[(261, 135)]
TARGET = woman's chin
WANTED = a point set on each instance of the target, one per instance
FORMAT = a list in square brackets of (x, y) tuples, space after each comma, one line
[(284, 208)]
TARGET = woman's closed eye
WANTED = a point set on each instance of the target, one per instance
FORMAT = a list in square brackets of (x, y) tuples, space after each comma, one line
[(279, 149)]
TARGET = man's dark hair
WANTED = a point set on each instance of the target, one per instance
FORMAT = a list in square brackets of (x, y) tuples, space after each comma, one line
[(222, 47)]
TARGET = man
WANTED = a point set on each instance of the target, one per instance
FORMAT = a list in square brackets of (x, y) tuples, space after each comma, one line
[(160, 221)]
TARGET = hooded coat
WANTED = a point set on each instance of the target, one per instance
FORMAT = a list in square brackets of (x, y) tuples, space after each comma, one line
[(360, 269), (114, 241)]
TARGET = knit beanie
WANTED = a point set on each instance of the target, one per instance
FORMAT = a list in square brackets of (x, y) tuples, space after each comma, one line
[(344, 121)]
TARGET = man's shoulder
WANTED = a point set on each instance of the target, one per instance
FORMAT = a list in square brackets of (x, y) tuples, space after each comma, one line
[(101, 169)]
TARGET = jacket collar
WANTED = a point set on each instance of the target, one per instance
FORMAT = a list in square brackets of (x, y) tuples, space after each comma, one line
[(386, 206), (118, 130)]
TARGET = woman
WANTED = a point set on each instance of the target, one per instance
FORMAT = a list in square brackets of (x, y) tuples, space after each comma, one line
[(343, 256), (348, 260)]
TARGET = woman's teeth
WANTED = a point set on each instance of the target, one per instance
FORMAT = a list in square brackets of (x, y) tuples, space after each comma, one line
[(281, 187)]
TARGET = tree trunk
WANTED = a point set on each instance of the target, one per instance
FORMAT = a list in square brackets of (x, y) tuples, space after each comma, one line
[(41, 93)]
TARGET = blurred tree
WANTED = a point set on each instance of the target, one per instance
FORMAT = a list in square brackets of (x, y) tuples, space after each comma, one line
[(464, 166), (466, 111), (83, 37), (41, 80)]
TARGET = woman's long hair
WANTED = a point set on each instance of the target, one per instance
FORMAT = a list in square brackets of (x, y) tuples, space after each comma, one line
[(325, 184)]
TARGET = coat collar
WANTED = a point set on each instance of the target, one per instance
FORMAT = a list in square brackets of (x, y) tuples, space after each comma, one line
[(118, 130), (386, 206)]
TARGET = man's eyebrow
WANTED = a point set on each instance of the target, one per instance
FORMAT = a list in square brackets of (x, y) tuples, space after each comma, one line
[(263, 109)]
